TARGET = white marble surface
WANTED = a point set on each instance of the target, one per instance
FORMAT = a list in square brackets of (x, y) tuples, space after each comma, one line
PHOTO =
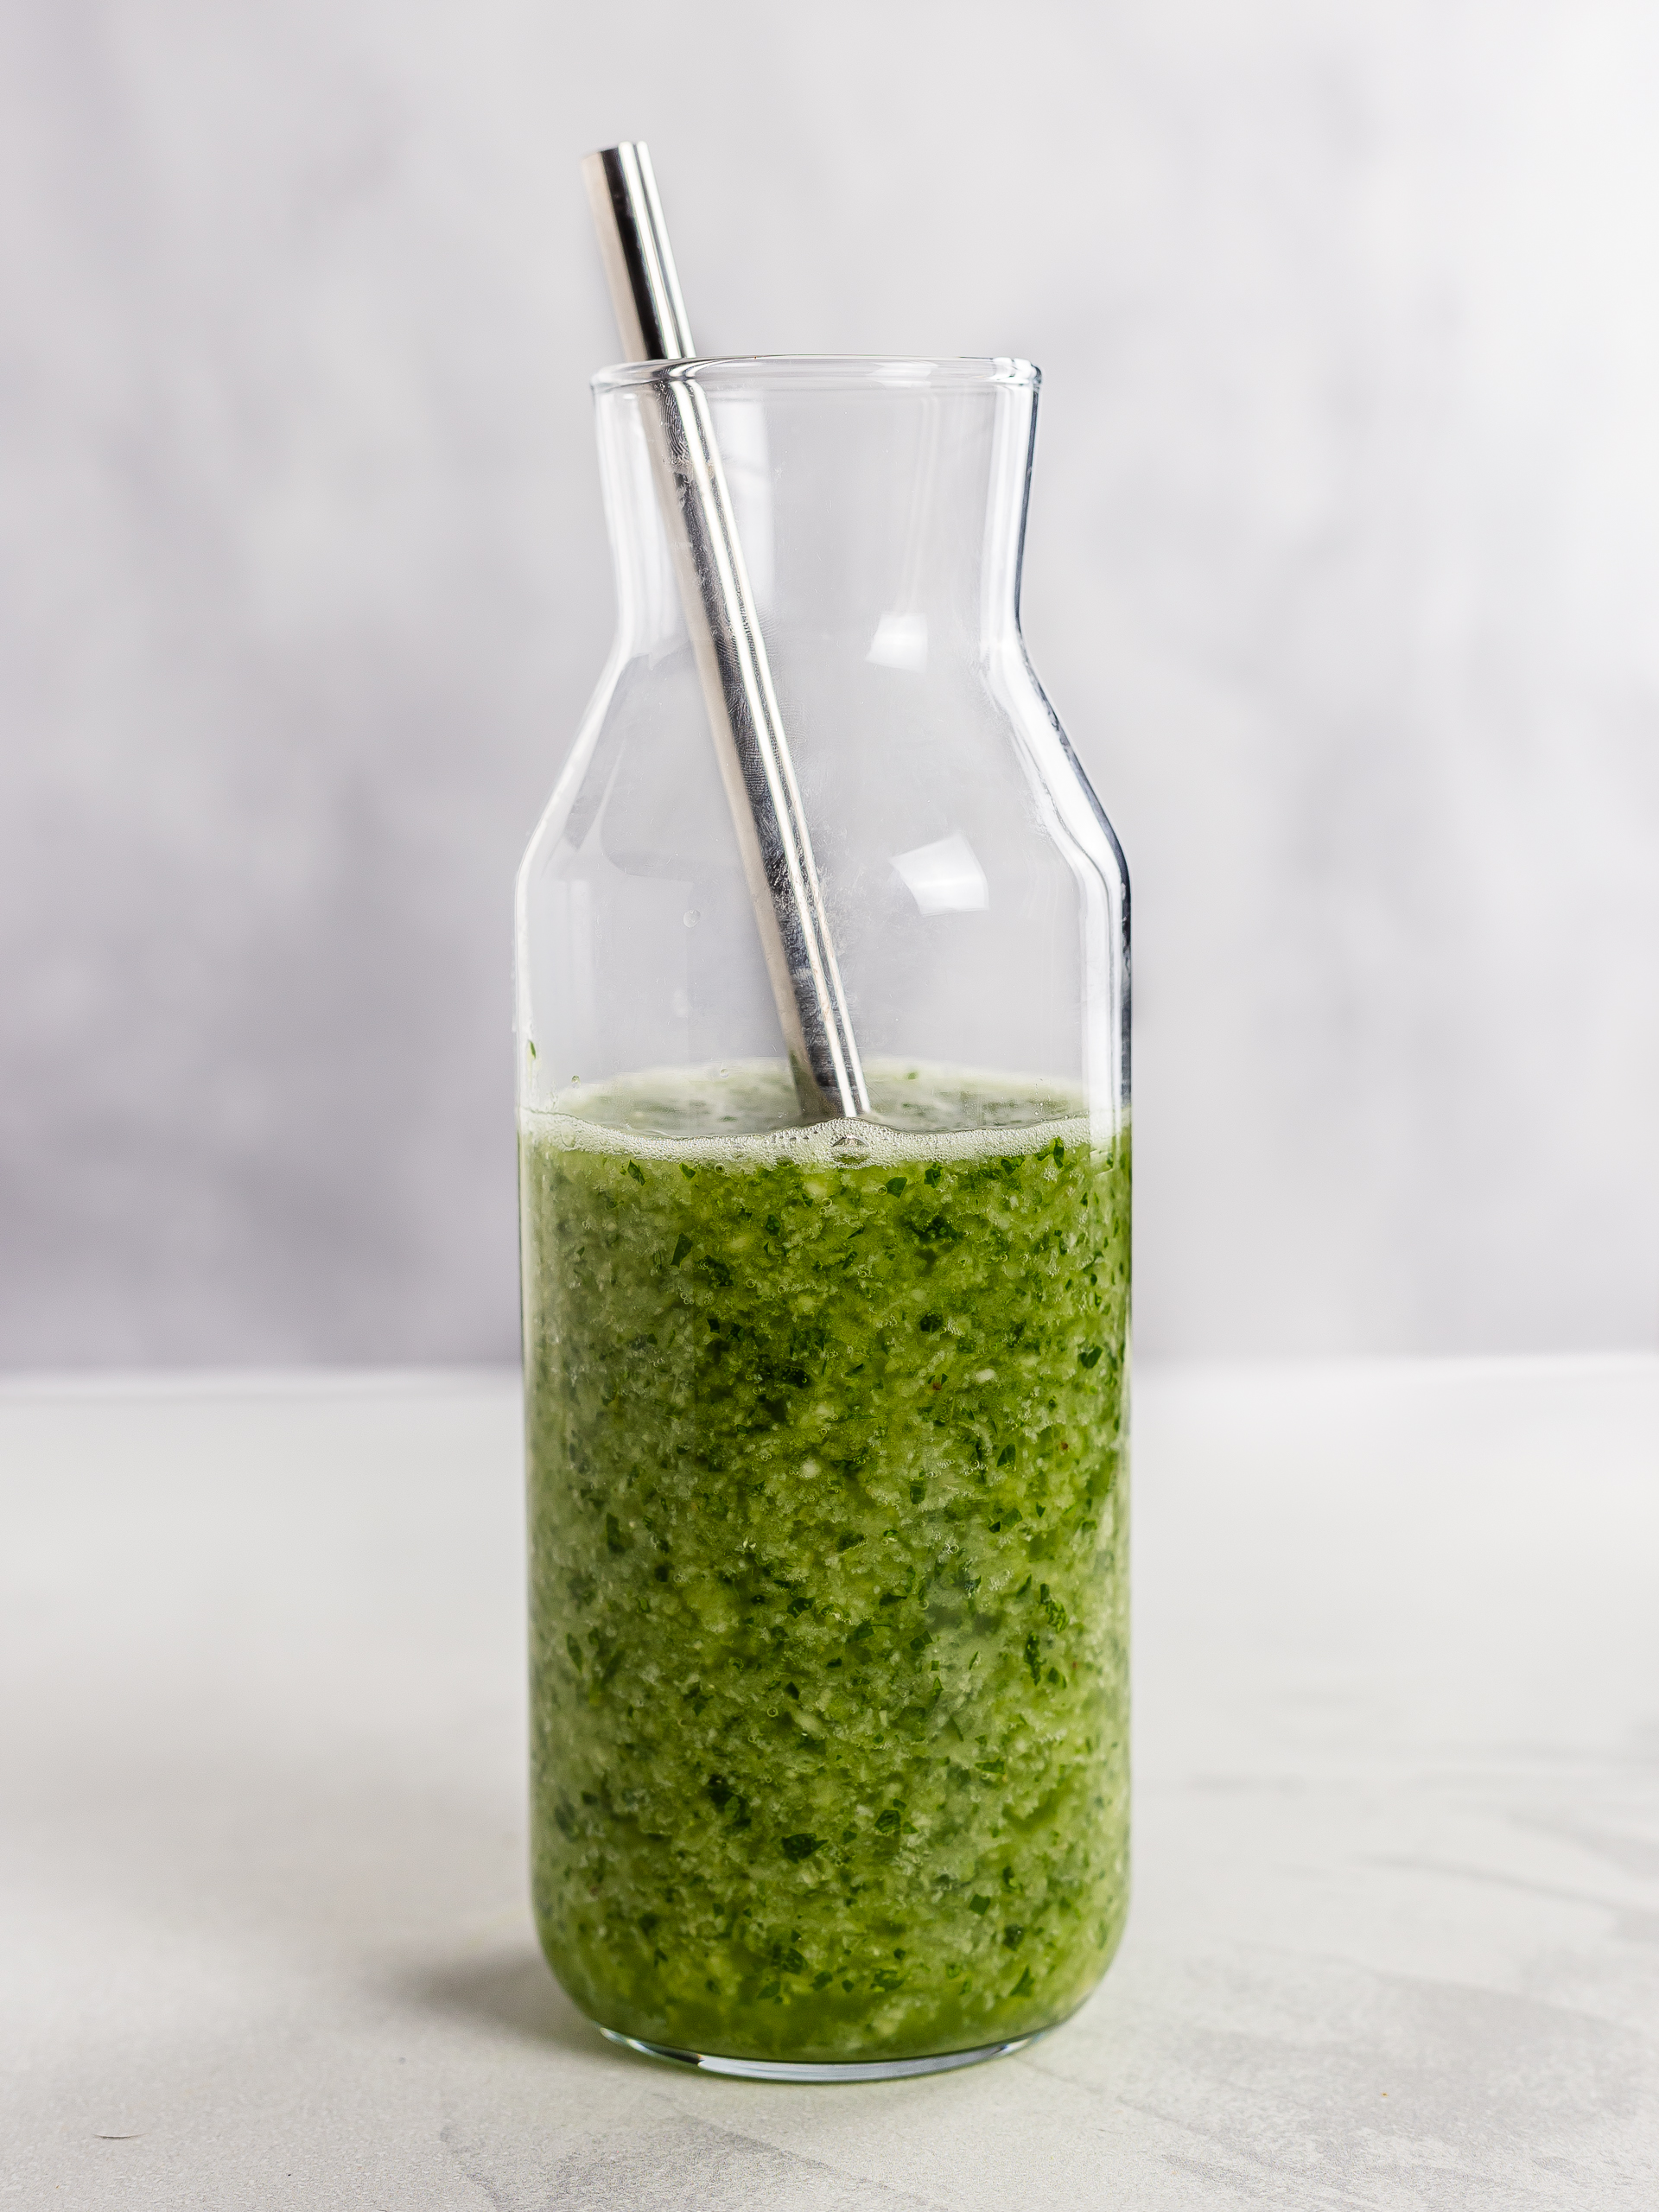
[(1395, 1938), (1343, 565)]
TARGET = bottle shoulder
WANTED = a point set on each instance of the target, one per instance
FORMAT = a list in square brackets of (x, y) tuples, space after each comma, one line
[(886, 746)]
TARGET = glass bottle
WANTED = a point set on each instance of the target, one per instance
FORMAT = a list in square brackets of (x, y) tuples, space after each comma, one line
[(826, 1421)]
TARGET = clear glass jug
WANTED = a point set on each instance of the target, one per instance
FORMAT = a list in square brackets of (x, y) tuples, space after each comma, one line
[(826, 1421)]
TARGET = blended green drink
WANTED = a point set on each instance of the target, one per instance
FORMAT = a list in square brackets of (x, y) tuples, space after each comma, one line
[(828, 1560)]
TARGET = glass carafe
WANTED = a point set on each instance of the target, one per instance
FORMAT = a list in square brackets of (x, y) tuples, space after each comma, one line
[(827, 1419)]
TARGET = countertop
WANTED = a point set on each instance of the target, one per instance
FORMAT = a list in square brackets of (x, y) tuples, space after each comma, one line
[(1395, 1933)]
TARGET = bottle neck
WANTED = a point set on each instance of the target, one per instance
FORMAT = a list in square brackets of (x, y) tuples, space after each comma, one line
[(888, 516)]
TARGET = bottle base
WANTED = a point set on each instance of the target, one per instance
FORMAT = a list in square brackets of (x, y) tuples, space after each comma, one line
[(862, 2070)]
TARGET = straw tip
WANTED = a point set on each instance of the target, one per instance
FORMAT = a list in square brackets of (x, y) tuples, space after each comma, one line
[(624, 146)]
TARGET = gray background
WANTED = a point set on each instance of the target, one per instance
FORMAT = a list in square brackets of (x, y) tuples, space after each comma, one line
[(1343, 576)]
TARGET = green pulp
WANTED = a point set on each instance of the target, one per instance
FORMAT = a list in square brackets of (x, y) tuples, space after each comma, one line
[(828, 1554)]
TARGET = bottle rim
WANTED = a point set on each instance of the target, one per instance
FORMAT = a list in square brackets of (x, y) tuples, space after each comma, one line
[(729, 373)]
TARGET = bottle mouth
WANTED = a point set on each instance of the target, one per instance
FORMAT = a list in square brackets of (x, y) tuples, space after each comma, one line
[(733, 373)]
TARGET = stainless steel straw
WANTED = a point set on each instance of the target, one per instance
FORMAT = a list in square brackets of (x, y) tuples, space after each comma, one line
[(737, 688)]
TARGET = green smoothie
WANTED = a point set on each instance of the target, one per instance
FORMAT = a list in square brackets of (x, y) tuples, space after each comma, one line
[(829, 1560)]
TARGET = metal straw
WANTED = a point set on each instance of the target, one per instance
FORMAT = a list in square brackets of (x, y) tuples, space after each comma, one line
[(737, 688)]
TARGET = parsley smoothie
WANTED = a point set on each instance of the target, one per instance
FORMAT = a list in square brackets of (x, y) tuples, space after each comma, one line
[(828, 1563)]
